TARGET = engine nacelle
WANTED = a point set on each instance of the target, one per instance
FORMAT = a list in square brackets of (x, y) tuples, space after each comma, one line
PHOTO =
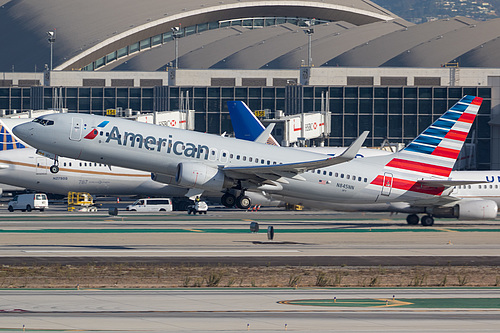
[(469, 210), (202, 176)]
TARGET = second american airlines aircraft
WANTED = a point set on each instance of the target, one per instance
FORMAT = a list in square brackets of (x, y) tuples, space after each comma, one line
[(203, 162)]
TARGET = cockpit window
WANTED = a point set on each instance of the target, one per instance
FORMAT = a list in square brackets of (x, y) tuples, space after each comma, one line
[(43, 122)]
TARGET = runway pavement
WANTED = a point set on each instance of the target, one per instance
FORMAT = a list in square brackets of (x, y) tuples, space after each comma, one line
[(258, 310), (316, 238)]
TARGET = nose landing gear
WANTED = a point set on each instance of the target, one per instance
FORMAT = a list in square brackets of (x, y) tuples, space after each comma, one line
[(55, 167)]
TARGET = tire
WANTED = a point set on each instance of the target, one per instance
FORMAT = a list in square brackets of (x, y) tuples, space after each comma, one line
[(412, 219), (42, 209), (243, 202), (205, 213), (28, 208), (54, 169), (11, 209), (228, 200), (427, 221), (163, 210), (189, 211)]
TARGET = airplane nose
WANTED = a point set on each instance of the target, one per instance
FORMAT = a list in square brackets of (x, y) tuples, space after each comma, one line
[(23, 131)]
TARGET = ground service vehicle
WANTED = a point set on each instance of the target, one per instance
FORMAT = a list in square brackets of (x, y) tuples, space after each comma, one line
[(28, 202), (151, 205), (200, 207)]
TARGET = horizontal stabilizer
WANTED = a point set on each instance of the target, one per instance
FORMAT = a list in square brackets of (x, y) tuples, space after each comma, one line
[(264, 136), (448, 183)]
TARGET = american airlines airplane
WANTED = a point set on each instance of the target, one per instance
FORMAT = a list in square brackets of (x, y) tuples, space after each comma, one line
[(418, 175), (21, 166)]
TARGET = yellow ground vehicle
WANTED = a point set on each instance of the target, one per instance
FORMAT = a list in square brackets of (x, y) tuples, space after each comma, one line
[(81, 201)]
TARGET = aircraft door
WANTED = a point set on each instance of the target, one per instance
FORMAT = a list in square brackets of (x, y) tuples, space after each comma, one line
[(76, 129), (387, 184), (41, 166)]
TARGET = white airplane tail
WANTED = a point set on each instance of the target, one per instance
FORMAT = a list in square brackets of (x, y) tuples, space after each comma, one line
[(7, 140)]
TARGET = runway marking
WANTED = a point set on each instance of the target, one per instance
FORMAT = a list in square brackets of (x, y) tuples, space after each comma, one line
[(425, 303), (161, 251), (447, 230), (236, 231)]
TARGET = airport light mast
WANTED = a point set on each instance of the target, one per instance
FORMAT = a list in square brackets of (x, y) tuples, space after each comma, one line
[(176, 36), (51, 39)]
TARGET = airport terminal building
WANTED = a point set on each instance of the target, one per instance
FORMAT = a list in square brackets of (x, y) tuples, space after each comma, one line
[(373, 70)]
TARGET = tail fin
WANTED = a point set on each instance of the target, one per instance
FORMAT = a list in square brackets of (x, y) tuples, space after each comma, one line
[(245, 125), (435, 150), (7, 140)]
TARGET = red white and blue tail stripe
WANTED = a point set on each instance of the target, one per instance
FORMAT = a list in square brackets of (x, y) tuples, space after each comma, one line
[(435, 151), (432, 154)]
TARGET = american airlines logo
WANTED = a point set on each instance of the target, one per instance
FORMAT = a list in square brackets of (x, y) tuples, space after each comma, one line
[(92, 134), (152, 143)]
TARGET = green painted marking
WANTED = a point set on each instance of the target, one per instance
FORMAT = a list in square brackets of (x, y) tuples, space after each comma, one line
[(427, 303)]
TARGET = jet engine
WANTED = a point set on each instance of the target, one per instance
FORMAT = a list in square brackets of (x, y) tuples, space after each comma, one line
[(202, 176), (468, 210)]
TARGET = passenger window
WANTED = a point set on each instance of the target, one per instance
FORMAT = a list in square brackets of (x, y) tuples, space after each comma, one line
[(256, 160), (249, 159), (336, 174), (224, 154), (64, 163), (230, 155), (262, 161), (319, 171), (69, 163), (479, 186), (274, 162), (341, 175), (268, 162), (237, 157), (244, 158), (347, 177), (359, 179), (80, 163), (330, 173), (365, 180), (324, 173)]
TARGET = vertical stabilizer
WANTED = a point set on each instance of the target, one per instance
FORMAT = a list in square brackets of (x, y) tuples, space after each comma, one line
[(245, 125), (7, 140), (435, 151)]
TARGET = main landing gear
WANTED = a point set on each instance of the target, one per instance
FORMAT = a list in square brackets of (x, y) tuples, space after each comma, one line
[(427, 220), (230, 200)]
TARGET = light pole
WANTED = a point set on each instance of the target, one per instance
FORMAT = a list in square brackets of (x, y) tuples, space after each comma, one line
[(52, 39), (309, 33), (176, 35)]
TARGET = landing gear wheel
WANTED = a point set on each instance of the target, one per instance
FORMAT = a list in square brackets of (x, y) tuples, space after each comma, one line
[(228, 200), (412, 219), (243, 202), (54, 168), (427, 221)]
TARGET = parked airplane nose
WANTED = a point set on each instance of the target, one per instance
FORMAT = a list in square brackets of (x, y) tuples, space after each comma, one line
[(23, 131)]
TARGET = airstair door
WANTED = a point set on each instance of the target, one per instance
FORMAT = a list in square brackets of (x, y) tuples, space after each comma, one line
[(387, 184), (76, 129)]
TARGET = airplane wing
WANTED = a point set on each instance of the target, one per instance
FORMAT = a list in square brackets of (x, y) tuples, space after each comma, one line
[(299, 167)]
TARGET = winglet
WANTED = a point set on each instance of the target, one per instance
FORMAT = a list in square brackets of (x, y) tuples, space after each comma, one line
[(264, 136), (351, 152)]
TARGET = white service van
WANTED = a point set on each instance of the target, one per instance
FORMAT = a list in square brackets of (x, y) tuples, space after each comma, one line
[(151, 205), (28, 202)]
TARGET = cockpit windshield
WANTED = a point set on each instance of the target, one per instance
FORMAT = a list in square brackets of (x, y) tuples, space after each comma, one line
[(43, 122)]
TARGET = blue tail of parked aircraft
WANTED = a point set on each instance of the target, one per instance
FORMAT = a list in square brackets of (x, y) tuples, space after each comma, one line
[(245, 125)]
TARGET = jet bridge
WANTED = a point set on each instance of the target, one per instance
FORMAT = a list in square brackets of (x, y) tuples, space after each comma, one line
[(300, 129)]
